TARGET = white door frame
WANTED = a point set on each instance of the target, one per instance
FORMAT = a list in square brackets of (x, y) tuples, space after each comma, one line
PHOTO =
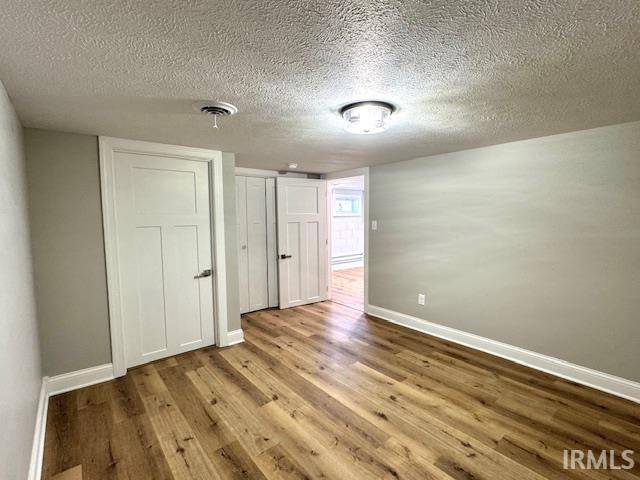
[(108, 147), (356, 172)]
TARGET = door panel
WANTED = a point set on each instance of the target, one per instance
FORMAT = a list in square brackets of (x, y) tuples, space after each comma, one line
[(302, 240), (243, 252), (291, 267), (152, 334), (313, 261), (164, 191), (272, 244), (302, 200), (257, 243), (164, 241), (186, 266)]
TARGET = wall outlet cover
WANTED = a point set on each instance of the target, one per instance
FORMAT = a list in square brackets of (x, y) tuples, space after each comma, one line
[(421, 299)]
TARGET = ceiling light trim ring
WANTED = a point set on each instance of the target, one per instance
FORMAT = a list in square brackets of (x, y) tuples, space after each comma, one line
[(392, 108), (367, 117)]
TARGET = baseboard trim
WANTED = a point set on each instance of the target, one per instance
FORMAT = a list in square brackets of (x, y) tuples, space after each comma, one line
[(335, 267), (78, 379), (37, 449), (234, 337), (605, 382)]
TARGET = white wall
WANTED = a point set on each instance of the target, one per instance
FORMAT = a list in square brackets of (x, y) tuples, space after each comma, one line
[(347, 237), (20, 377)]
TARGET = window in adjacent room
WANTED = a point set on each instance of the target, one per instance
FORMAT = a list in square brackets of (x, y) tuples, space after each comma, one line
[(347, 204)]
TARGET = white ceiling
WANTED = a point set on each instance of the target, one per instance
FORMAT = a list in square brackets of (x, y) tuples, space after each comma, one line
[(463, 74)]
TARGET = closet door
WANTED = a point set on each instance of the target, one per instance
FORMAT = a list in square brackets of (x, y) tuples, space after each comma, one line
[(257, 243), (243, 252), (272, 244)]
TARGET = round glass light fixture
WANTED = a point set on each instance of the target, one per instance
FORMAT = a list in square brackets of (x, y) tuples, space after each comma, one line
[(367, 117)]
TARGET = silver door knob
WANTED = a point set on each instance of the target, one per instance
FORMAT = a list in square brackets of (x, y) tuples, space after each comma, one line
[(204, 273)]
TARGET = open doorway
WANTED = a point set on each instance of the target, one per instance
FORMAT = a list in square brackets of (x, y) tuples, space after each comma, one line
[(347, 247)]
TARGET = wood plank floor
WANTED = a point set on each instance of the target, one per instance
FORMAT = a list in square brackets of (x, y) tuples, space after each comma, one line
[(322, 392), (347, 287)]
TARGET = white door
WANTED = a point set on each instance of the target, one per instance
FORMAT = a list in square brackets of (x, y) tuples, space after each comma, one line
[(257, 243), (164, 244), (243, 247), (302, 241), (272, 244), (253, 242)]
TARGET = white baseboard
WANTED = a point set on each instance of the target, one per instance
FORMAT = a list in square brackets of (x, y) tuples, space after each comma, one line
[(234, 337), (78, 379), (585, 376), (37, 449), (347, 261), (347, 265)]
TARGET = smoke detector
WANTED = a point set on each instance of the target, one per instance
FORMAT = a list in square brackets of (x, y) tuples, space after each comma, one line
[(217, 109)]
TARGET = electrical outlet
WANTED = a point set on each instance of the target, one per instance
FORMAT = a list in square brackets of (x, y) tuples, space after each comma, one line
[(374, 225), (421, 299)]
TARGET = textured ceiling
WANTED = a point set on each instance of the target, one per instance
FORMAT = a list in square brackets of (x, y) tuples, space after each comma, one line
[(463, 74)]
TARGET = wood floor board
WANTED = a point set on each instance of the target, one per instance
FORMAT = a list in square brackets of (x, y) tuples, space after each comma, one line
[(323, 391), (278, 463), (329, 405), (98, 456), (206, 424), (124, 399), (347, 287), (240, 415), (74, 473), (259, 373), (62, 440), (232, 380), (325, 445), (232, 462), (135, 456)]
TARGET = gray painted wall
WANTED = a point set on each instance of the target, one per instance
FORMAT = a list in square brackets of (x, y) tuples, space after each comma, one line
[(20, 375), (533, 243), (230, 240), (68, 248)]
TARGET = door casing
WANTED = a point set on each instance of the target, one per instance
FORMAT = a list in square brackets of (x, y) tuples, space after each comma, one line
[(356, 172), (108, 146)]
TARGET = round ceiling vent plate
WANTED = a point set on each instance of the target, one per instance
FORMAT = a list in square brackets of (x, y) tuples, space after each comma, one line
[(221, 109)]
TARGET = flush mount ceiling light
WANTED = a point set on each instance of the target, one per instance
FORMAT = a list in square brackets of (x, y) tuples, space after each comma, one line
[(367, 117), (293, 166)]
